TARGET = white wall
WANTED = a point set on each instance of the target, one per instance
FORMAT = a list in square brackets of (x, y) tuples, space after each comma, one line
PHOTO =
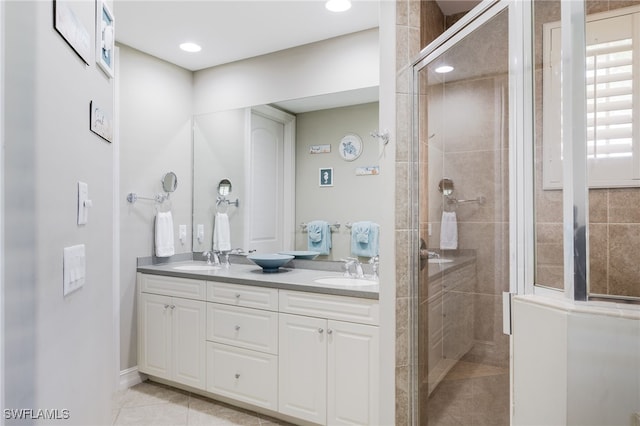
[(335, 65), (155, 130), (351, 198), (219, 153), (575, 363), (58, 350)]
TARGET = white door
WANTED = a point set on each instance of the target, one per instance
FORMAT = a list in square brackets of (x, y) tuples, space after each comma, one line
[(352, 374), (154, 346), (189, 335), (266, 185), (303, 367)]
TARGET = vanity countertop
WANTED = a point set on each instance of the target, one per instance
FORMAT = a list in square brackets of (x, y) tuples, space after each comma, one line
[(287, 278), (297, 278), (452, 263)]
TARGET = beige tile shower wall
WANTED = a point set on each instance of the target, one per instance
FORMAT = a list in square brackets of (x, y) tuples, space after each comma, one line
[(417, 24), (476, 159), (408, 46), (614, 229)]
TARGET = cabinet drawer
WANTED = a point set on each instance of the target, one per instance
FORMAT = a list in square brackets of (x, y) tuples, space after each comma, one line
[(353, 309), (244, 375), (244, 327), (172, 286), (243, 295)]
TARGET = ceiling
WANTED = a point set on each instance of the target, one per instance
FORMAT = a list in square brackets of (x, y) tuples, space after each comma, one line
[(231, 30)]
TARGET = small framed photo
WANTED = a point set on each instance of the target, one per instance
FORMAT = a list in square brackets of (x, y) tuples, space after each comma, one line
[(100, 122), (326, 176), (105, 37)]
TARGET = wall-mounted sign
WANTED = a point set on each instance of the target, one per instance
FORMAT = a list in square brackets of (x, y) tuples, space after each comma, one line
[(320, 149), (366, 171)]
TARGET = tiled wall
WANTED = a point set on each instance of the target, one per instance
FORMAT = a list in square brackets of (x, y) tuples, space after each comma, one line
[(407, 48), (417, 24), (614, 217)]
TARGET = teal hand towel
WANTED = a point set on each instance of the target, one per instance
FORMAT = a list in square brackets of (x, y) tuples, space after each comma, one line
[(319, 236), (365, 239)]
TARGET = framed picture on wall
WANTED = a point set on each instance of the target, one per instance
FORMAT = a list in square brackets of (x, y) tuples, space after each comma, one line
[(68, 25), (105, 37), (100, 122), (326, 176)]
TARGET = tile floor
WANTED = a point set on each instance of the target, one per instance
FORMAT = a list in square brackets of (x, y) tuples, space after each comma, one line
[(153, 404)]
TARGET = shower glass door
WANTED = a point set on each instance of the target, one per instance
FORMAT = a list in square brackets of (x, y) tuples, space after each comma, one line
[(461, 113)]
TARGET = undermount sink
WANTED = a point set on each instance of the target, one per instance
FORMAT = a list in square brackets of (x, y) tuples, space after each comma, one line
[(440, 260), (197, 267), (346, 281)]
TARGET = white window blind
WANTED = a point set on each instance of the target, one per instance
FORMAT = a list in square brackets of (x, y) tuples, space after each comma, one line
[(613, 90)]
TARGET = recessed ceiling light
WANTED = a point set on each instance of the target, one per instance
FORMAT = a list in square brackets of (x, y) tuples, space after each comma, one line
[(190, 47), (444, 69), (338, 5)]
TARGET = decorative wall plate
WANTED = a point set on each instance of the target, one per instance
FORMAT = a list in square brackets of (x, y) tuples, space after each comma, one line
[(350, 147)]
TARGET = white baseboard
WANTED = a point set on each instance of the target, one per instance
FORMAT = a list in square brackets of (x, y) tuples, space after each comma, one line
[(131, 377)]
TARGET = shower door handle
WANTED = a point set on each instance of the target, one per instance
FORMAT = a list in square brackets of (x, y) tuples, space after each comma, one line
[(424, 253)]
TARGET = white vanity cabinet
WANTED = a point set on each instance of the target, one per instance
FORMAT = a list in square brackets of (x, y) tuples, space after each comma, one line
[(172, 321), (328, 358), (242, 343), (306, 356)]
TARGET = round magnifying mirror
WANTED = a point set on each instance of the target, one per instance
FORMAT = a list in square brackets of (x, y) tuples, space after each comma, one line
[(224, 187), (169, 182), (446, 186)]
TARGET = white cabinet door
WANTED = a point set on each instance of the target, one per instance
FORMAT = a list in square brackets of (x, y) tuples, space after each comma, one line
[(302, 387), (188, 341), (352, 374), (154, 341)]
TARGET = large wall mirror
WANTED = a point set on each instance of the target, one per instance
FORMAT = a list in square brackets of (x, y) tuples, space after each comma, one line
[(312, 129)]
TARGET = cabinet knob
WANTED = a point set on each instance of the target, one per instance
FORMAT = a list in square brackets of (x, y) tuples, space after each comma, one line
[(166, 306), (173, 306), (237, 375), (237, 328), (320, 330), (237, 295), (329, 331)]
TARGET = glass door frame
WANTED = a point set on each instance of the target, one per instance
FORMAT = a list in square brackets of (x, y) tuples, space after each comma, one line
[(520, 156)]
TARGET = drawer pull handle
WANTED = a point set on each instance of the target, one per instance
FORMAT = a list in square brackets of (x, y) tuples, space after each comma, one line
[(173, 306), (237, 375), (238, 295), (237, 328), (320, 330), (166, 306), (329, 331)]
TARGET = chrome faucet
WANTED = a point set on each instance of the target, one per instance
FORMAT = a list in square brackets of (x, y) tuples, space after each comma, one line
[(209, 255), (225, 259), (375, 264), (433, 255), (355, 263)]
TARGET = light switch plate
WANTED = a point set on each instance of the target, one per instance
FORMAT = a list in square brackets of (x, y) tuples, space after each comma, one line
[(83, 208), (73, 268)]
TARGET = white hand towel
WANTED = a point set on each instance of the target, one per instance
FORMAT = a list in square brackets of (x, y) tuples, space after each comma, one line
[(449, 231), (222, 233), (164, 234)]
